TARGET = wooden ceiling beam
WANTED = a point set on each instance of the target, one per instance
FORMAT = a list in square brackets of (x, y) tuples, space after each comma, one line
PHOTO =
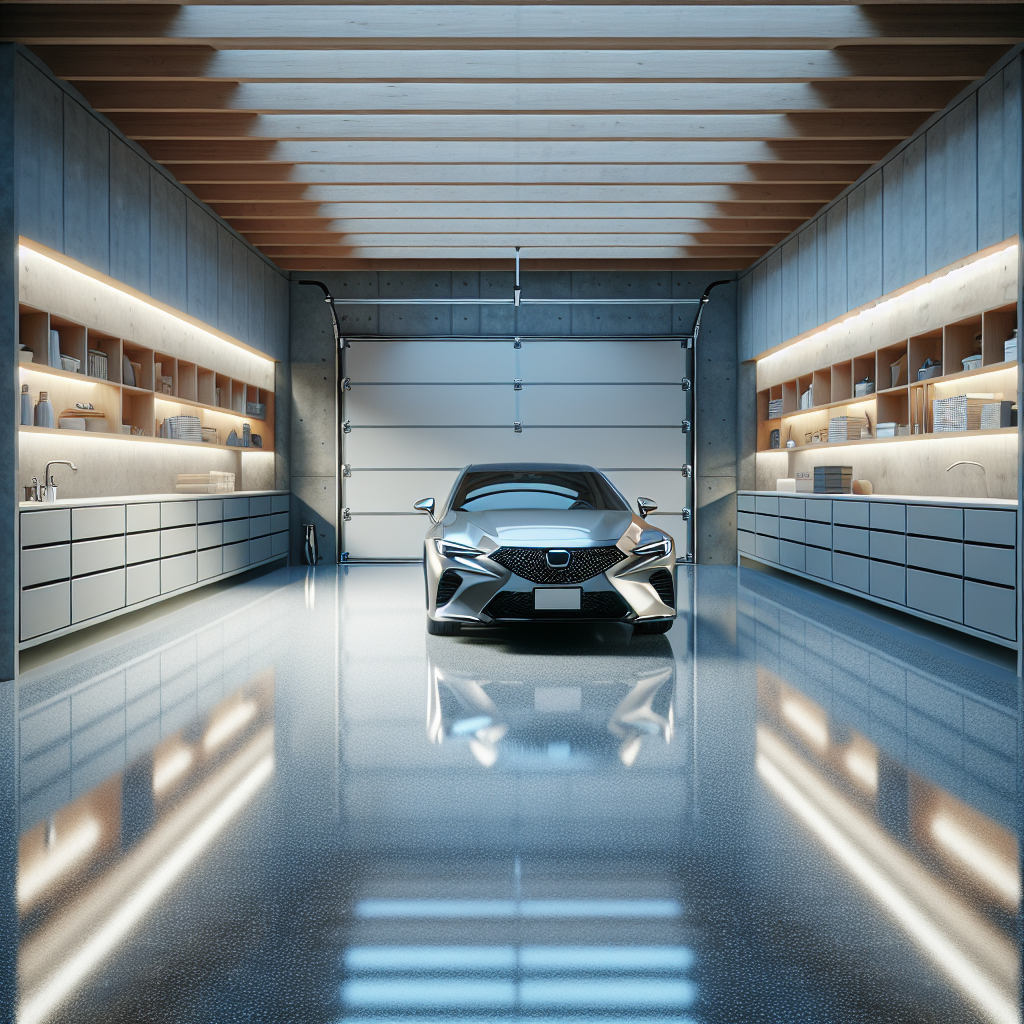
[(331, 98), (435, 263), (582, 251), (489, 26), (381, 233), (529, 243), (822, 125), (126, 62)]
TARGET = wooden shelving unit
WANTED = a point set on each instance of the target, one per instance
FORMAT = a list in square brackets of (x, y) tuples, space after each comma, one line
[(165, 386), (899, 397)]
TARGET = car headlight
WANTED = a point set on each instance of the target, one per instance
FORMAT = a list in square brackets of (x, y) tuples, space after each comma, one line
[(656, 548), (450, 548)]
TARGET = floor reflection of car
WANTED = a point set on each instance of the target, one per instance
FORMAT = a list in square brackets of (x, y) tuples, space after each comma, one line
[(545, 711), (526, 542)]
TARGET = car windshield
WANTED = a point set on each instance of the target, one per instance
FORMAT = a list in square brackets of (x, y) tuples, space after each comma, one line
[(505, 490)]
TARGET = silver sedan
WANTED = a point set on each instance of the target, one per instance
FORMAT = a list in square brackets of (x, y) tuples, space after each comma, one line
[(528, 542)]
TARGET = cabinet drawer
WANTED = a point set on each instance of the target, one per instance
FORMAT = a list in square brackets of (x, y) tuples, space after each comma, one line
[(44, 565), (177, 541), (990, 526), (889, 582), (990, 565), (850, 540), (97, 555), (745, 521), (142, 582), (236, 508), (279, 503), (236, 556), (791, 555), (278, 522), (260, 506), (933, 521), (792, 529), (259, 526), (211, 535), (141, 518), (279, 544), (177, 572), (210, 510), (942, 596), (818, 509), (850, 571), (745, 542), (100, 521), (259, 549), (818, 562), (937, 555), (850, 513), (45, 609), (768, 525), (992, 609), (96, 595), (889, 547), (51, 527), (885, 516), (766, 548), (793, 508), (142, 547), (818, 534), (177, 513), (766, 504), (744, 503), (209, 563), (235, 530)]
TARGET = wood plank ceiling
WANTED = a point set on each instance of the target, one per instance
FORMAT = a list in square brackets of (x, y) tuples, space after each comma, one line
[(338, 136)]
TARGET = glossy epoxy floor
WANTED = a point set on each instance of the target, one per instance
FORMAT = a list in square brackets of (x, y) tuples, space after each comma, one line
[(287, 803)]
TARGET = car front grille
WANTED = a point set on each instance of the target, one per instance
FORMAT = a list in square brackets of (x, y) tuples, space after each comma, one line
[(450, 582), (661, 580), (513, 604), (531, 563)]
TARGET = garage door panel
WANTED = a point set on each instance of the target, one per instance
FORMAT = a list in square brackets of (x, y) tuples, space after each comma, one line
[(401, 536), (666, 487), (369, 447), (602, 361), (396, 491), (420, 362), (430, 405), (629, 404)]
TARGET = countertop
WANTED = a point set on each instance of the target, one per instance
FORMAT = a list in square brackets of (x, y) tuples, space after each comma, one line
[(907, 499), (136, 499)]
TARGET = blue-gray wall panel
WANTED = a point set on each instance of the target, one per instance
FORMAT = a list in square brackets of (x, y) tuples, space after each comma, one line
[(129, 216), (39, 156), (225, 280), (201, 263), (167, 241), (952, 177), (835, 261), (759, 300), (256, 319), (864, 241), (822, 268), (807, 278), (86, 187), (773, 298), (999, 156), (239, 289), (790, 288), (903, 224)]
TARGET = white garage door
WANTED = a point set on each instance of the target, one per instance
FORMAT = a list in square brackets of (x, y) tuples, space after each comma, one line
[(417, 412)]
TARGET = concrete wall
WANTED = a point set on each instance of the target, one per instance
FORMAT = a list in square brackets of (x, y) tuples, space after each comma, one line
[(950, 190), (314, 413)]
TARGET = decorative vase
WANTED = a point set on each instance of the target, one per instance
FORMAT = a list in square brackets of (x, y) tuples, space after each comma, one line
[(44, 411), (26, 407)]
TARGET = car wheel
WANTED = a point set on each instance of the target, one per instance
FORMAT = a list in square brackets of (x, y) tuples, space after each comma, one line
[(443, 628), (647, 628)]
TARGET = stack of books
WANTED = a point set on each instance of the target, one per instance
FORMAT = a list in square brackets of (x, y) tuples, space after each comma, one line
[(213, 482), (97, 364), (807, 398), (182, 428), (833, 479), (774, 409), (846, 428)]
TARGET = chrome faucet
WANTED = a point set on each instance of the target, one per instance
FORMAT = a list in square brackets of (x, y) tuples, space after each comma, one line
[(49, 484)]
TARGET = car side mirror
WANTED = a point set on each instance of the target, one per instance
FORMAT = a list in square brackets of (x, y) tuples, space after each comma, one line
[(645, 507), (426, 505)]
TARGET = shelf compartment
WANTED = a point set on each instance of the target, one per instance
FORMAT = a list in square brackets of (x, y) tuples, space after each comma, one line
[(206, 387), (890, 440), (111, 348), (923, 347), (996, 328), (864, 367), (187, 382), (842, 381), (892, 407), (884, 360), (822, 382), (165, 366), (960, 341), (72, 341)]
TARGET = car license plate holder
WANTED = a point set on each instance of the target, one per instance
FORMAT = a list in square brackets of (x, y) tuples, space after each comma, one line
[(558, 599)]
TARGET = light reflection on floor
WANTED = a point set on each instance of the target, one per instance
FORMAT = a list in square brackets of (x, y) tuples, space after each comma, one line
[(287, 803)]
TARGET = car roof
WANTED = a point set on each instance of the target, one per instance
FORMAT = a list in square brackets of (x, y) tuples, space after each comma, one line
[(528, 467)]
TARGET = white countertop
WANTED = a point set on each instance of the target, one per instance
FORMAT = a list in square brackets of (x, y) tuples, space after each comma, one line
[(135, 499), (909, 499)]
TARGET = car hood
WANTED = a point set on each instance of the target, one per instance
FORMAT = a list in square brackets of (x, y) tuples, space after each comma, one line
[(539, 528)]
